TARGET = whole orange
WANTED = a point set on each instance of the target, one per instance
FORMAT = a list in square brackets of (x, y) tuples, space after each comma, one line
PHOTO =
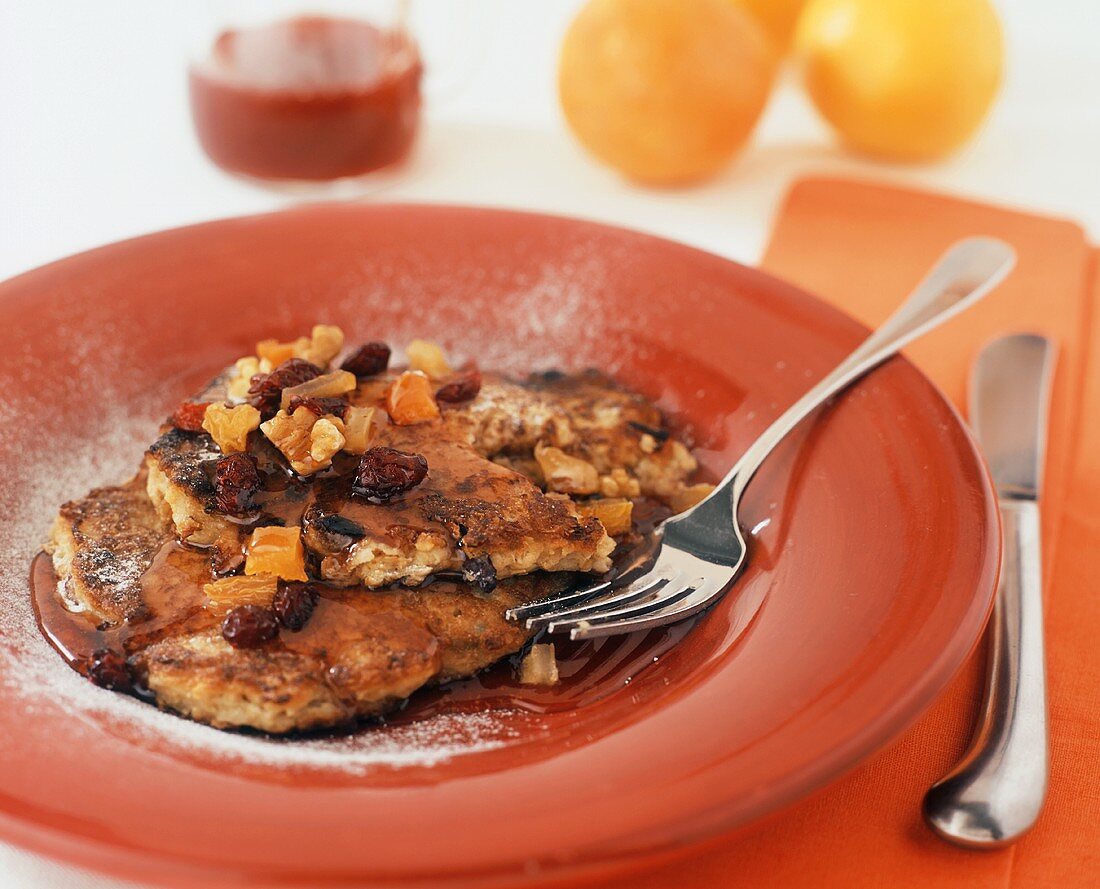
[(777, 17), (908, 79), (665, 91)]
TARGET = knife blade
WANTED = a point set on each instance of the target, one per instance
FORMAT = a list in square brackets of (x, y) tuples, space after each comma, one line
[(996, 791), (1009, 403)]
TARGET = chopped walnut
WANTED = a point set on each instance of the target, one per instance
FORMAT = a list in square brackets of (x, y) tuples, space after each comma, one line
[(326, 439), (292, 434), (566, 474), (614, 514), (229, 426), (358, 429), (688, 496), (648, 443), (620, 484), (325, 343), (276, 551), (244, 370), (339, 382), (428, 358), (229, 592)]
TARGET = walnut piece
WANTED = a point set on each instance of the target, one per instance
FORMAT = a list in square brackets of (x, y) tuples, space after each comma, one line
[(292, 434), (565, 474), (539, 666), (245, 369), (326, 439), (229, 426), (689, 495)]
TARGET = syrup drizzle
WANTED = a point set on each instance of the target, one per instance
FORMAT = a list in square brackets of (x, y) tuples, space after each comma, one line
[(173, 600)]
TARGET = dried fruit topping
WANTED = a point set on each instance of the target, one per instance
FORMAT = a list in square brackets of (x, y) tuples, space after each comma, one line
[(275, 353), (368, 360), (341, 527), (298, 438), (614, 514), (565, 474), (325, 343), (462, 388), (689, 496), (229, 426), (428, 358), (236, 481), (385, 472), (339, 382), (243, 372), (229, 592), (108, 669), (276, 551), (481, 572), (338, 407), (189, 415), (539, 666), (660, 435), (249, 626), (409, 399), (358, 429), (266, 390), (620, 483), (293, 604), (326, 439)]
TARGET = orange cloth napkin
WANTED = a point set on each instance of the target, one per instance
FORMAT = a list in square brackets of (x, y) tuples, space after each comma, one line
[(862, 247)]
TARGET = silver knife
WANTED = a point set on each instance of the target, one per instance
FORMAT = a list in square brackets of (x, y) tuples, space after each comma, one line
[(996, 791)]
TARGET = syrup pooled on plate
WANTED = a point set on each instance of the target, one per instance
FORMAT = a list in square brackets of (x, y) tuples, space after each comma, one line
[(173, 588)]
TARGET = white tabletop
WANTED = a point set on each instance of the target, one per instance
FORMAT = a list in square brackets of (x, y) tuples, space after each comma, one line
[(96, 145)]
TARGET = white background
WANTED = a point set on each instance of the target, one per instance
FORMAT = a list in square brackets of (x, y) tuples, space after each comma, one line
[(96, 144)]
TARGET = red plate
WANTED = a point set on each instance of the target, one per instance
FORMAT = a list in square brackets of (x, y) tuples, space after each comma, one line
[(874, 552)]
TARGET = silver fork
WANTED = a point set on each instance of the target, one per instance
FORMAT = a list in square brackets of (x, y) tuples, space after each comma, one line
[(701, 551)]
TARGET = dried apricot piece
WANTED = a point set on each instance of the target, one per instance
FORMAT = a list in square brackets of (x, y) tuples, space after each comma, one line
[(229, 592), (689, 496), (229, 426), (409, 399), (276, 551), (614, 513)]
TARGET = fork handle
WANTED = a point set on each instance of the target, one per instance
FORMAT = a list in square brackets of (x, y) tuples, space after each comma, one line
[(962, 276)]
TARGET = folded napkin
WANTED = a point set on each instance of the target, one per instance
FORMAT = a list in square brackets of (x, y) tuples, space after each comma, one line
[(862, 247)]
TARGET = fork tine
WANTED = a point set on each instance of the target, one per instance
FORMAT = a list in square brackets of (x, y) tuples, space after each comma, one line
[(534, 609), (692, 601), (639, 588), (666, 595)]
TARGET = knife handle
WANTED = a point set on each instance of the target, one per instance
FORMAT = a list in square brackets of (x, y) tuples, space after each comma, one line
[(995, 793)]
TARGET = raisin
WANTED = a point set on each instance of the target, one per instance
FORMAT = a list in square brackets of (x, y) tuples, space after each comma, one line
[(249, 626), (293, 604), (385, 472), (108, 669), (266, 390), (661, 435), (337, 524), (189, 415), (338, 407), (236, 481), (462, 388), (368, 360), (481, 572)]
